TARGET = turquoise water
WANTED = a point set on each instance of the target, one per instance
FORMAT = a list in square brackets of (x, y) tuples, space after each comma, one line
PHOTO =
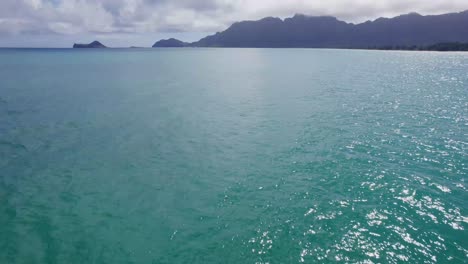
[(233, 156)]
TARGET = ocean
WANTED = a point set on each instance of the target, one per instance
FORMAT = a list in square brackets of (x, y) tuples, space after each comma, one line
[(203, 155)]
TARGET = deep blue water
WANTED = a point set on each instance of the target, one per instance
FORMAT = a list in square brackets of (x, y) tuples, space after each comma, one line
[(233, 156)]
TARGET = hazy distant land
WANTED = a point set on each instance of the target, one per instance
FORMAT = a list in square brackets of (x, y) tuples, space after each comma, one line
[(446, 32)]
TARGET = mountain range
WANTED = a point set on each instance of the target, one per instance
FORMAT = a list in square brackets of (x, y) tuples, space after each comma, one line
[(301, 31)]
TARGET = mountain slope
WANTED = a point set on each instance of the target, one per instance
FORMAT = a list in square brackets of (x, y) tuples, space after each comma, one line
[(172, 42)]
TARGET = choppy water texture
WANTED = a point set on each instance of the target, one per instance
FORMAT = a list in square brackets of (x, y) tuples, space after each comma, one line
[(233, 156)]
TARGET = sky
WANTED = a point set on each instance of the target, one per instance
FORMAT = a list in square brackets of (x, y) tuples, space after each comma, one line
[(123, 23)]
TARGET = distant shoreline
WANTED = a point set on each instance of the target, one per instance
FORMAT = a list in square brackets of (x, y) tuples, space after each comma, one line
[(442, 49)]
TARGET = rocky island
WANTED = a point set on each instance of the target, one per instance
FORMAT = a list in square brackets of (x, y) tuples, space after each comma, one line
[(93, 45)]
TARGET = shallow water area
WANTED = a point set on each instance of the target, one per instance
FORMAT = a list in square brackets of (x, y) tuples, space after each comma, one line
[(233, 156)]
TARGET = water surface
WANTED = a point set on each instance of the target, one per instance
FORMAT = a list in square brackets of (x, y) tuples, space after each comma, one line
[(233, 156)]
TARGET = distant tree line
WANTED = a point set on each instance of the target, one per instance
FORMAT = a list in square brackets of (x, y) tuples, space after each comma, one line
[(449, 46)]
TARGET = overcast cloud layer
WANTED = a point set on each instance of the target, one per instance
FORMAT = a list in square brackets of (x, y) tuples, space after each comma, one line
[(141, 22)]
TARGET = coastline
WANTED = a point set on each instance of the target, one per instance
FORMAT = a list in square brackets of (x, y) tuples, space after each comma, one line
[(159, 48)]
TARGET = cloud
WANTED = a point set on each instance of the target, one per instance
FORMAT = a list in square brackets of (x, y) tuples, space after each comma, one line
[(98, 17)]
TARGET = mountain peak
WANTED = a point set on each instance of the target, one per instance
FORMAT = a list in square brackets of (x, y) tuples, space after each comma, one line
[(299, 15), (170, 43), (302, 16), (271, 19)]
